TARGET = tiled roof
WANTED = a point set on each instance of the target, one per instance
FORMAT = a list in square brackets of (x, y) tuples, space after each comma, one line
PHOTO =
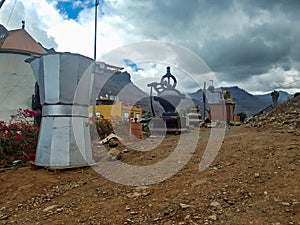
[(21, 41)]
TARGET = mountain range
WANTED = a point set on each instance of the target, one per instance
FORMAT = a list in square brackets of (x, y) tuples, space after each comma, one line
[(120, 85), (244, 101)]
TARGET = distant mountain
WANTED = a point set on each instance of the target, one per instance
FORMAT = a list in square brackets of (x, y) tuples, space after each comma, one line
[(245, 102), (120, 84)]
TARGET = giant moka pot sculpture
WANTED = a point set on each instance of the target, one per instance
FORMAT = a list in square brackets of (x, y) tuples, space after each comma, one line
[(58, 76), (169, 98)]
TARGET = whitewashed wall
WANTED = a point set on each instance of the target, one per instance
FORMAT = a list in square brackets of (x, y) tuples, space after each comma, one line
[(16, 84)]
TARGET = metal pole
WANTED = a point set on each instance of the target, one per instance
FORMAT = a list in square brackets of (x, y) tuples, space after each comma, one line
[(204, 100), (1, 3), (95, 55), (94, 94), (96, 19)]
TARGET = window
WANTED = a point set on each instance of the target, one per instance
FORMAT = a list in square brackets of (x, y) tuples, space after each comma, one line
[(137, 115), (126, 114)]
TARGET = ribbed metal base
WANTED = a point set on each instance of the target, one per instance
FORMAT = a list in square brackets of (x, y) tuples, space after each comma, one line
[(64, 142)]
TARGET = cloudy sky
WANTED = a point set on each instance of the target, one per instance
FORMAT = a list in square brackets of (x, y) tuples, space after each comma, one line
[(253, 44)]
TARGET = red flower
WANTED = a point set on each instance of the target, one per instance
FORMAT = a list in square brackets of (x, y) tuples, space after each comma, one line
[(14, 126), (31, 156), (4, 128), (7, 134), (19, 138)]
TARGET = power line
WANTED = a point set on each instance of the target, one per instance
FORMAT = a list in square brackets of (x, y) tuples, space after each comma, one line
[(283, 85)]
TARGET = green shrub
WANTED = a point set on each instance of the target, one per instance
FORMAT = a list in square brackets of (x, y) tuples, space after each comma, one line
[(242, 116)]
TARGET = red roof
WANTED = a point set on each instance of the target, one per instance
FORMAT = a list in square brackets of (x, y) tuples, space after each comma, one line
[(21, 41)]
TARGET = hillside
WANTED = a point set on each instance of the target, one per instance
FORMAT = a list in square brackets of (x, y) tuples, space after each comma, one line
[(120, 84), (246, 102), (254, 179), (285, 116)]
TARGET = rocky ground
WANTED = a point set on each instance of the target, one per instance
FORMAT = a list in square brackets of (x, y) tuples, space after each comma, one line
[(254, 179)]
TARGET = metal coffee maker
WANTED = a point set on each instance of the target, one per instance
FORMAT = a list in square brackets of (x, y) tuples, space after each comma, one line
[(58, 76)]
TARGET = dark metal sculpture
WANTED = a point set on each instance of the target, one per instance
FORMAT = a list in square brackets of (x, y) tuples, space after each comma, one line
[(169, 98)]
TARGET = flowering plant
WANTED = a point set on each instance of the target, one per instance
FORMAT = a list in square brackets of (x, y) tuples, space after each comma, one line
[(18, 137), (100, 127), (104, 127)]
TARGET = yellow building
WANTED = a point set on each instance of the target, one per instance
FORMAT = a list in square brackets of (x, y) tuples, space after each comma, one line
[(112, 108)]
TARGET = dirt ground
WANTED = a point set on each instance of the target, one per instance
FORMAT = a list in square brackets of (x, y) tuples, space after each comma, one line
[(255, 179)]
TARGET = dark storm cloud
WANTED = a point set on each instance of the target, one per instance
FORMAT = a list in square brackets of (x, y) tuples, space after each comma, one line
[(237, 39), (290, 8), (262, 44), (243, 55), (169, 18), (254, 51)]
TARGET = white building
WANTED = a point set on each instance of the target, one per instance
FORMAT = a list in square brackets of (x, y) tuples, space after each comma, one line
[(16, 76)]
